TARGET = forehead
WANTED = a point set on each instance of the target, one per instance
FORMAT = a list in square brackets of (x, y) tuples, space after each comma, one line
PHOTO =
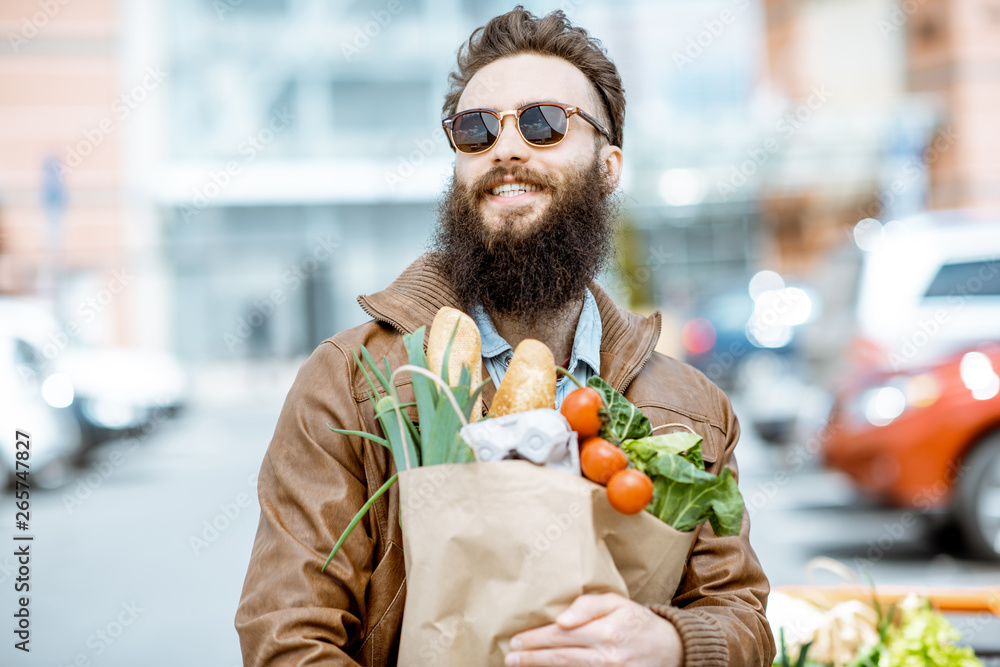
[(511, 82)]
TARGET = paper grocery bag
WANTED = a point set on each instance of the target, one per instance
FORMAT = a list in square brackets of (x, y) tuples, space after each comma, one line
[(492, 549)]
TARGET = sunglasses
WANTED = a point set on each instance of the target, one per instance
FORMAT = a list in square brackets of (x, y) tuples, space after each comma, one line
[(540, 124)]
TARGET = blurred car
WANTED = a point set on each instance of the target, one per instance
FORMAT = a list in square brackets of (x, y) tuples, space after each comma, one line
[(719, 335), (123, 390), (916, 417), (115, 391), (927, 439), (744, 339), (929, 285), (40, 406)]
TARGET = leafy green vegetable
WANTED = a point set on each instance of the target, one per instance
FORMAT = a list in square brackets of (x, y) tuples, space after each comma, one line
[(783, 658), (684, 494), (683, 443), (436, 440), (919, 636), (625, 421), (925, 637)]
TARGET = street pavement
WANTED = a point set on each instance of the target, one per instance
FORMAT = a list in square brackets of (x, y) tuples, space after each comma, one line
[(140, 559)]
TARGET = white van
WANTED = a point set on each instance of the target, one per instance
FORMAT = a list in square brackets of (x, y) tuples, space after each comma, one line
[(929, 285)]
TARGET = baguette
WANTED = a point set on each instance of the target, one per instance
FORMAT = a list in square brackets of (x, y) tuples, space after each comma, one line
[(530, 380), (465, 351)]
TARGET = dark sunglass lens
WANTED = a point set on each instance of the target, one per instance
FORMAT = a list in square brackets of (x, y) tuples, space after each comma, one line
[(543, 125), (474, 131)]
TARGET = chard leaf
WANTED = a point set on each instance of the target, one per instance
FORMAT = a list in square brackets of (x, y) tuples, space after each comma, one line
[(686, 444), (684, 494), (625, 421), (691, 496)]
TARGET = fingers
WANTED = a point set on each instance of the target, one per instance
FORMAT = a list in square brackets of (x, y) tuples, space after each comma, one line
[(575, 657), (587, 608), (552, 636)]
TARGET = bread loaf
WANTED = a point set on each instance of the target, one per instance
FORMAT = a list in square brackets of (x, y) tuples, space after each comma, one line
[(530, 380), (466, 350)]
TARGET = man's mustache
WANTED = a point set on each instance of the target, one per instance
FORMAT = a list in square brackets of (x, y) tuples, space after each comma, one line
[(495, 176)]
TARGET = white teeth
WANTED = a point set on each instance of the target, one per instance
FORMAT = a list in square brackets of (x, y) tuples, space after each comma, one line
[(513, 189)]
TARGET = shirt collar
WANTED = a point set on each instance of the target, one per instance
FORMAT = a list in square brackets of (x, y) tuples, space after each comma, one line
[(586, 339), (415, 296)]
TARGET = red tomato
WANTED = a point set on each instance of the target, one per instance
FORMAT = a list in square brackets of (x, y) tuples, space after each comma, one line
[(581, 408), (599, 460), (629, 491)]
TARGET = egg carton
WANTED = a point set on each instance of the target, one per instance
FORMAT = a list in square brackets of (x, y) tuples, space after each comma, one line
[(542, 436)]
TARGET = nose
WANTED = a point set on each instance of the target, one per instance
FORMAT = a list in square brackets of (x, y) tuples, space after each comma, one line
[(510, 147)]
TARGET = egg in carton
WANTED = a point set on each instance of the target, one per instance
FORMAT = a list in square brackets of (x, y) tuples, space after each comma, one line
[(541, 436)]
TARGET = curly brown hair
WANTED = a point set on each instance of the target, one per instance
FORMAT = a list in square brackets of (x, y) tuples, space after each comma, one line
[(519, 31)]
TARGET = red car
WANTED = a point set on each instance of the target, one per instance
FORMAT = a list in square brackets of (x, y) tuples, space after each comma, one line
[(927, 438)]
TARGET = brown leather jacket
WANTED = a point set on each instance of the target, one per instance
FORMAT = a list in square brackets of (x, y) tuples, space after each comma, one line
[(312, 482)]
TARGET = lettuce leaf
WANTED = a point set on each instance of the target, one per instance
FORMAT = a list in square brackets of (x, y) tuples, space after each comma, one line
[(684, 494), (925, 637)]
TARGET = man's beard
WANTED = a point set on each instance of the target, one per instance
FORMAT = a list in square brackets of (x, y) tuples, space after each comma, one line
[(526, 275)]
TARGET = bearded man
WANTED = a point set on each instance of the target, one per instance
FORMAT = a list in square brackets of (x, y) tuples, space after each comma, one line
[(534, 113)]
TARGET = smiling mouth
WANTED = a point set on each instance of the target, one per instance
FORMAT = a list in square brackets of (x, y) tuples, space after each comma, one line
[(513, 189)]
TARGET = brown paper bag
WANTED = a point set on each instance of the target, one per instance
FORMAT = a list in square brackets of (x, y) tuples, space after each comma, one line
[(492, 549)]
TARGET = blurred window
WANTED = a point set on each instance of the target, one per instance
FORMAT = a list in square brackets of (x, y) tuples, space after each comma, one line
[(248, 7), (481, 11), (365, 9), (980, 278), (717, 87), (374, 116), (27, 354)]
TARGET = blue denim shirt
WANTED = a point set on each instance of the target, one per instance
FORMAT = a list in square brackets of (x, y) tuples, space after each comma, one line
[(585, 359)]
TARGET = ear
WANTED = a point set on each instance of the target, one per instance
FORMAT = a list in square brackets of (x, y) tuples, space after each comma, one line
[(611, 156)]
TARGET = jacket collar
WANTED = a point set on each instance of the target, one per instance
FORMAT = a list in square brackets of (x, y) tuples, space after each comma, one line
[(412, 300)]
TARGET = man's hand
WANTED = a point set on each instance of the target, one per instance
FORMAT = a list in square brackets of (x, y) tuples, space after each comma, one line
[(599, 630)]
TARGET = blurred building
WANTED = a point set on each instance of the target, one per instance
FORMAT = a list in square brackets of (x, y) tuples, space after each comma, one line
[(913, 86), (298, 158), (252, 165), (953, 57), (848, 124), (63, 102)]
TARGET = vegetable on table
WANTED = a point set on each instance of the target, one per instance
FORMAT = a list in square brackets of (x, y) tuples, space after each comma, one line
[(854, 627)]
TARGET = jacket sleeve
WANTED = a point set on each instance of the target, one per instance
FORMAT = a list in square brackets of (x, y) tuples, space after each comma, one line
[(290, 612), (718, 608)]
